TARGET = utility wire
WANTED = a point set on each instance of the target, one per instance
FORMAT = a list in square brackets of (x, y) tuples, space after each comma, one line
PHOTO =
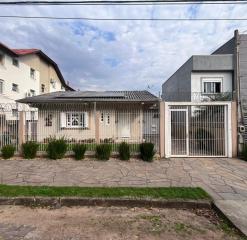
[(123, 19), (123, 2)]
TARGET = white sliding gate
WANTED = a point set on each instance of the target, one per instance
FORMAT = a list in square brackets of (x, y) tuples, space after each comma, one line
[(198, 129)]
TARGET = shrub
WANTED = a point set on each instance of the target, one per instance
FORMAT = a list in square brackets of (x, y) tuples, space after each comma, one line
[(56, 148), (8, 151), (147, 151), (29, 149), (124, 151), (103, 151), (79, 151), (244, 152)]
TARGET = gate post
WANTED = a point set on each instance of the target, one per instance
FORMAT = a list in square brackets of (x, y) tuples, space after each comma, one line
[(21, 130), (234, 128), (162, 128)]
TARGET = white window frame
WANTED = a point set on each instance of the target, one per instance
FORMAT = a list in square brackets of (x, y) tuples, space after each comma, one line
[(32, 73), (2, 62), (17, 62), (105, 118), (1, 86), (82, 121), (17, 87), (32, 92), (211, 80), (42, 88)]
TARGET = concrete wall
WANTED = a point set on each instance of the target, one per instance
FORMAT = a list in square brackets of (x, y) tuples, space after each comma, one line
[(177, 87), (243, 70)]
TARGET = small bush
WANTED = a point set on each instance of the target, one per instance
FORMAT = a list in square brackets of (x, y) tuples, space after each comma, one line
[(29, 149), (124, 151), (8, 151), (79, 151), (103, 151), (147, 151), (244, 152), (56, 148)]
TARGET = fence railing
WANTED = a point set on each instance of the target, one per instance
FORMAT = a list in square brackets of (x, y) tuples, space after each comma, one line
[(88, 123), (181, 96)]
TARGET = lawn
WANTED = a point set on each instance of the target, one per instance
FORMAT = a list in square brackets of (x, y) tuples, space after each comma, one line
[(105, 192)]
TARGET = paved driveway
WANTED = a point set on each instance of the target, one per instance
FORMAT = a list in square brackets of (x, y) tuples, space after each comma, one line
[(225, 179)]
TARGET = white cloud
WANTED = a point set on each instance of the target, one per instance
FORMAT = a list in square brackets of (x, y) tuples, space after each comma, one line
[(101, 55)]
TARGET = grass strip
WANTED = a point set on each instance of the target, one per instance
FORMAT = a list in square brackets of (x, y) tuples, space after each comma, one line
[(104, 192)]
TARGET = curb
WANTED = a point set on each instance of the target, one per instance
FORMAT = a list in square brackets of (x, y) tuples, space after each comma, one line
[(107, 202), (227, 219)]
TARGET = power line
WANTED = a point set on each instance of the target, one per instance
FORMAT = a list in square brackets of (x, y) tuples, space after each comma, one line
[(123, 19), (123, 2)]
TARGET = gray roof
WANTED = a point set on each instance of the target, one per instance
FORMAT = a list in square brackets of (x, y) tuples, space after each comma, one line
[(92, 96)]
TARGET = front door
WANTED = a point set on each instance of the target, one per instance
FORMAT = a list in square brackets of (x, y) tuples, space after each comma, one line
[(123, 125)]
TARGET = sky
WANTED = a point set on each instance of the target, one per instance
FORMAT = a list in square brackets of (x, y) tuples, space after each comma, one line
[(121, 55)]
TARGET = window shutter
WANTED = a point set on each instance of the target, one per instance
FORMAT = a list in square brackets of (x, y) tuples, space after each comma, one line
[(85, 119), (63, 120)]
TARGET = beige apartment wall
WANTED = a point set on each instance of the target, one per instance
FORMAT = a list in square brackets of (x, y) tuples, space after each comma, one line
[(47, 71)]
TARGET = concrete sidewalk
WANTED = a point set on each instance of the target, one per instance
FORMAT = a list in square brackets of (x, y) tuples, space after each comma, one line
[(225, 179)]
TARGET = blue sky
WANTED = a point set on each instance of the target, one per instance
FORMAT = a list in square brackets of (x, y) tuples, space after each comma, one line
[(121, 55)]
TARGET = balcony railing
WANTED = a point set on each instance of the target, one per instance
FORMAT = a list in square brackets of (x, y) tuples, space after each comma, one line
[(197, 96)]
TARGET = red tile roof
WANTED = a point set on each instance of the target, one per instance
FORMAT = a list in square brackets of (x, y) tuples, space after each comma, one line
[(25, 51), (22, 52)]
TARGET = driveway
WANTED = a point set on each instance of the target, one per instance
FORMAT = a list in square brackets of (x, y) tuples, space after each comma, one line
[(225, 179)]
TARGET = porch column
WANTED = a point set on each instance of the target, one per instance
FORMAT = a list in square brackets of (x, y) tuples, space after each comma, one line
[(162, 128), (21, 129), (96, 124)]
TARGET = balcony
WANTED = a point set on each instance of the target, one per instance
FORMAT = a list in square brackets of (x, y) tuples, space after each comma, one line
[(197, 96)]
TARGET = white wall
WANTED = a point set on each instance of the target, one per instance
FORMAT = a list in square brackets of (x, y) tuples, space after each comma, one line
[(19, 75), (197, 78)]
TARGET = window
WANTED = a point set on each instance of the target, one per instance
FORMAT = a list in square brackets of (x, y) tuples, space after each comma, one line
[(32, 73), (14, 112), (15, 87), (108, 118), (1, 58), (211, 86), (32, 92), (1, 86), (48, 120), (42, 88), (53, 83), (105, 118), (77, 120), (15, 62), (102, 117)]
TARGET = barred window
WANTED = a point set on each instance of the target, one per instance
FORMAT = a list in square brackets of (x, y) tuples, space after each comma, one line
[(76, 120)]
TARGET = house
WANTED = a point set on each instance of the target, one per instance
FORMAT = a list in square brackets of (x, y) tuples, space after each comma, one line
[(88, 117), (220, 76)]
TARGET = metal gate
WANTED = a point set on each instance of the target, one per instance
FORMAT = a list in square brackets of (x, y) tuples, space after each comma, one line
[(198, 130)]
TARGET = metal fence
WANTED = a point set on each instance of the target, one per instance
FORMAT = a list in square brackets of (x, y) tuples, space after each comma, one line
[(198, 130), (197, 96), (87, 123)]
